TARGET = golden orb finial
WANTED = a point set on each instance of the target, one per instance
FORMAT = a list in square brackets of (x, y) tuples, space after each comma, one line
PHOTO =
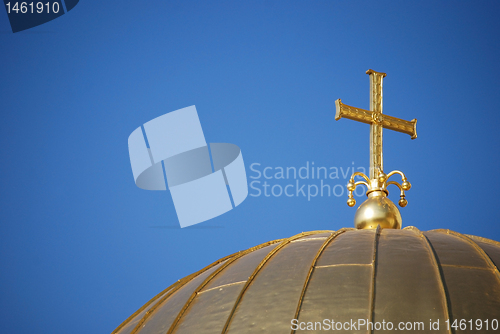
[(377, 209)]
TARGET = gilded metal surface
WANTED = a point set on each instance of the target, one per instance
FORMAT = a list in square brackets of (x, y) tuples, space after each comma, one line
[(371, 308), (469, 276), (241, 269), (376, 159), (377, 210), (313, 264), (128, 325), (280, 280), (458, 253), (159, 298), (398, 291), (349, 248), (480, 250), (136, 317), (210, 311), (377, 180), (368, 117), (166, 313), (315, 236), (396, 275), (445, 297), (341, 293), (257, 270), (172, 289), (492, 249), (204, 283), (219, 295), (474, 293)]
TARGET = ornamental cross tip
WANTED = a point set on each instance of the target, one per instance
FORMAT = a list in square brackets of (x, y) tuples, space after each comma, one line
[(378, 181)]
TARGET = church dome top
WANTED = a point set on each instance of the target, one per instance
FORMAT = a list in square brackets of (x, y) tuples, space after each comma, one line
[(378, 275)]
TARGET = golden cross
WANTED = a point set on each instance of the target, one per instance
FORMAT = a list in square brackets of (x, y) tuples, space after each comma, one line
[(377, 121)]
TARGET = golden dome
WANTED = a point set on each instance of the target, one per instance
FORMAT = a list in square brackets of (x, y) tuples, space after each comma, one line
[(388, 275)]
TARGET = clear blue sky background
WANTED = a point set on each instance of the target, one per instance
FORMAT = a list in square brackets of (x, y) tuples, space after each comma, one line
[(81, 247)]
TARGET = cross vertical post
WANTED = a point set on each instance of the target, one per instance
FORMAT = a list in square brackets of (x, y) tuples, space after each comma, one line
[(376, 157)]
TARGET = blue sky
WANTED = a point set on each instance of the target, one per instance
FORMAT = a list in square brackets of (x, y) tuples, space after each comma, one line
[(82, 247)]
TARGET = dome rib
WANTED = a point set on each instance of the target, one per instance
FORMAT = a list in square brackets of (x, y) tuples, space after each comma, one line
[(489, 244), (257, 270), (481, 239), (374, 274), (479, 250), (174, 288), (212, 276), (439, 273), (178, 285), (470, 277), (407, 286), (313, 264)]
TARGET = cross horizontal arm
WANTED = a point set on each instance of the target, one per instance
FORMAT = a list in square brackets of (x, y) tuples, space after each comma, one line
[(400, 125), (369, 117), (356, 114)]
